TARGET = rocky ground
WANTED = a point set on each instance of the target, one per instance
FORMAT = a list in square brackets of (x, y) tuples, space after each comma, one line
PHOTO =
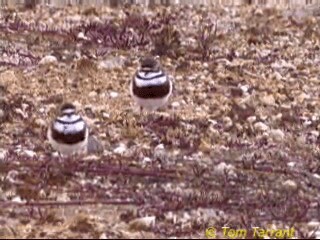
[(237, 146)]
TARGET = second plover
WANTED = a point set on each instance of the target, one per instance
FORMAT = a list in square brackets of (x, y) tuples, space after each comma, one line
[(150, 87)]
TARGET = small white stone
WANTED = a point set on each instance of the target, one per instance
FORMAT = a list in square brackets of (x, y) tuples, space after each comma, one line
[(55, 154), (12, 176), (159, 147), (307, 123), (48, 59), (113, 94), (316, 176), (291, 164), (42, 193), (313, 224), (260, 126), (146, 160), (105, 115), (171, 217), (92, 94), (143, 223), (63, 197), (290, 184), (192, 78), (1, 113), (20, 112), (213, 122), (258, 12), (175, 104), (3, 154), (315, 133), (244, 88), (227, 122), (81, 36), (251, 119), (103, 236), (18, 199), (179, 77), (222, 167), (277, 134), (120, 149), (278, 76), (29, 153)]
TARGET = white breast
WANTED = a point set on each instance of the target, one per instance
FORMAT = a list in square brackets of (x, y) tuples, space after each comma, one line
[(66, 127), (151, 79)]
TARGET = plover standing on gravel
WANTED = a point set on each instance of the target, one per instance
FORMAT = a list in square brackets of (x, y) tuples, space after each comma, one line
[(151, 87), (68, 132)]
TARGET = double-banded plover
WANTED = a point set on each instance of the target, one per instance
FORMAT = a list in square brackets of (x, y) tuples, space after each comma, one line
[(68, 132), (150, 87)]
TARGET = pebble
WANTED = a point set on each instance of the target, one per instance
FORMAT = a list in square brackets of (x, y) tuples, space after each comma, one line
[(29, 153), (159, 147), (245, 88), (277, 134), (103, 236), (251, 119), (227, 122), (120, 149), (142, 224), (3, 154), (20, 112), (40, 122), (316, 176), (105, 115), (290, 184), (291, 164), (313, 224), (1, 113), (258, 12), (63, 197), (213, 122), (81, 36), (315, 133), (268, 100), (48, 59), (113, 94), (92, 94), (175, 104), (278, 76), (178, 77), (159, 152), (146, 160), (18, 199), (171, 217), (222, 167), (260, 126), (192, 77)]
